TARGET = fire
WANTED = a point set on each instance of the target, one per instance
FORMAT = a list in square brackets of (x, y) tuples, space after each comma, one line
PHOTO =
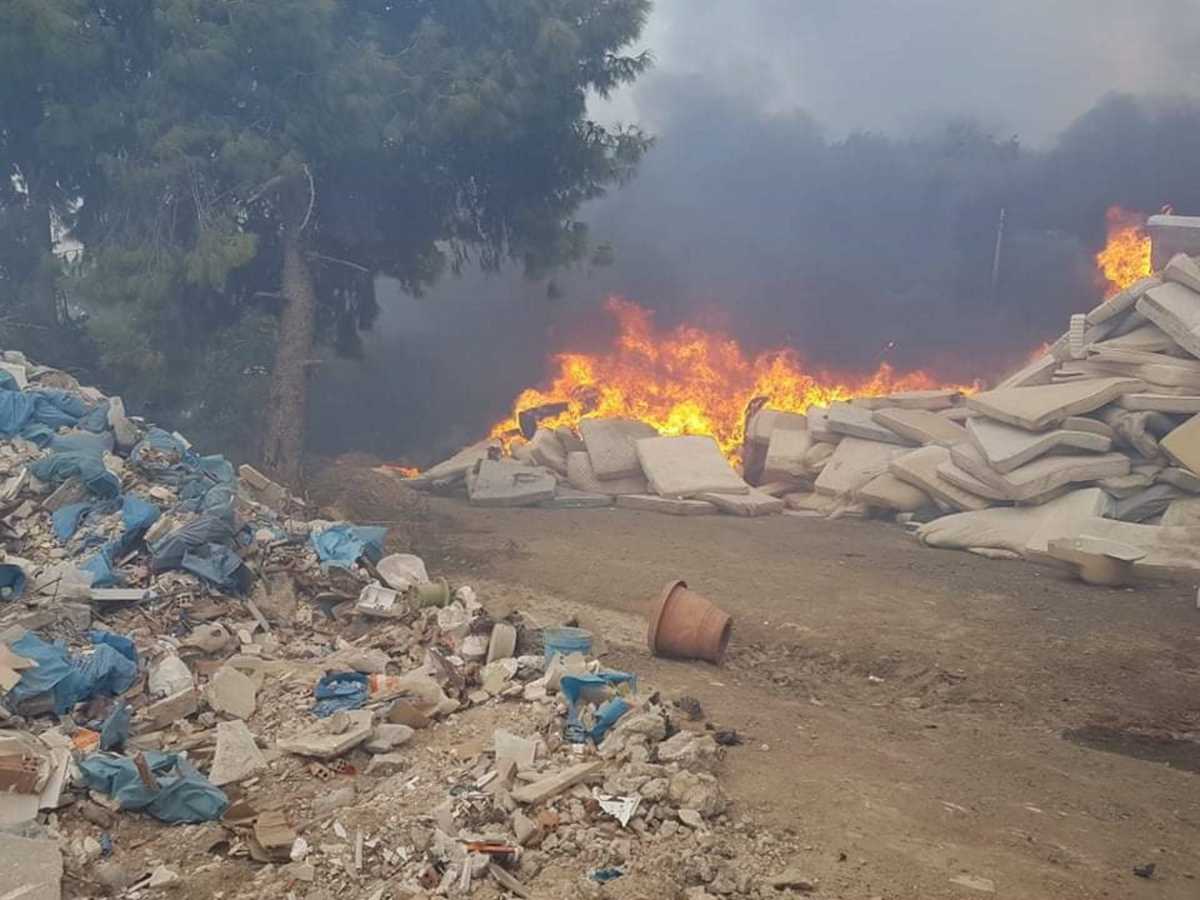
[(690, 381), (1126, 257)]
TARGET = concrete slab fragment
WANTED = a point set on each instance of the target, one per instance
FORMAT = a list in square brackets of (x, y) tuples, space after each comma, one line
[(858, 422), (1006, 447), (854, 464), (755, 503), (920, 469), (324, 742), (30, 869), (921, 426), (669, 505), (231, 692), (786, 454), (886, 491), (612, 445), (1183, 445), (1018, 529), (1176, 310), (237, 756), (1039, 408), (505, 483), (686, 466), (582, 477)]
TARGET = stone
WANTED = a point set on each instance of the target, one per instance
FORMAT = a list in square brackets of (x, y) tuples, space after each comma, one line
[(569, 498), (786, 452), (170, 675), (208, 638), (1176, 310), (582, 477), (330, 802), (1039, 477), (859, 422), (496, 676), (794, 880), (256, 486), (502, 643), (612, 445), (697, 790), (237, 756), (1024, 530), (505, 483), (125, 433), (1038, 408), (552, 785), (546, 449), (681, 467), (507, 745), (387, 736), (1006, 447), (320, 742), (1183, 445), (162, 877), (921, 426), (384, 764), (1177, 404), (922, 469), (691, 751), (231, 692), (886, 491), (691, 819), (854, 464), (974, 883), (30, 869), (524, 829), (668, 505), (754, 503)]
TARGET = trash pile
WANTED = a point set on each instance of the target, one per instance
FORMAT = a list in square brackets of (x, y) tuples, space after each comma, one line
[(1089, 456), (181, 645)]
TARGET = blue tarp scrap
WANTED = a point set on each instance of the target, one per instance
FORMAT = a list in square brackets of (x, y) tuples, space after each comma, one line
[(168, 551), (101, 566), (58, 467), (65, 520), (56, 408), (183, 794), (217, 564), (339, 690), (8, 382), (86, 441), (114, 730), (12, 581), (341, 545), (107, 670), (96, 419), (16, 410)]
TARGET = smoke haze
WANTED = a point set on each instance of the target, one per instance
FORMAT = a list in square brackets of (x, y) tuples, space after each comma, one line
[(828, 175)]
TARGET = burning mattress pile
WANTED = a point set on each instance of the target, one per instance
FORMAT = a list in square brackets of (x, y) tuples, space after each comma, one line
[(1094, 449)]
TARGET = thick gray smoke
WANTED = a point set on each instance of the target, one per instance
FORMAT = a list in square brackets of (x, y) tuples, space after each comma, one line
[(827, 176)]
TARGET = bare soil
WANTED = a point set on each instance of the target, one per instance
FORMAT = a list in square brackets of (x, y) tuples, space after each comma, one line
[(911, 715)]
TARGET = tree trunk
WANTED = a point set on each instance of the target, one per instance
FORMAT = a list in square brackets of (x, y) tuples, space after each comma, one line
[(287, 411)]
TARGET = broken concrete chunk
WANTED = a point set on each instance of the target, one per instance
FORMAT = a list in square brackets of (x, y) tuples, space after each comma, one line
[(256, 486), (858, 421), (170, 675), (582, 477), (387, 736), (1183, 445), (30, 869), (324, 741), (921, 426), (1038, 408), (1184, 479), (682, 467), (170, 709), (552, 785), (612, 445), (1006, 447), (231, 692), (505, 483), (507, 745), (237, 755)]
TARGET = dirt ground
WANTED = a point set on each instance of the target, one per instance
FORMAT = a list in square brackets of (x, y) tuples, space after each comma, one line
[(912, 716)]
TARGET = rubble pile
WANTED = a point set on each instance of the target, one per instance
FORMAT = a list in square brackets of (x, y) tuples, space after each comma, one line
[(183, 646), (1089, 456)]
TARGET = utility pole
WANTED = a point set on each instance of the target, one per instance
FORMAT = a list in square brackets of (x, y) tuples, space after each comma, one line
[(997, 256)]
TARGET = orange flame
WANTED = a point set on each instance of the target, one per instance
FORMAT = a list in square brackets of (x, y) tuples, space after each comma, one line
[(690, 381), (1126, 257)]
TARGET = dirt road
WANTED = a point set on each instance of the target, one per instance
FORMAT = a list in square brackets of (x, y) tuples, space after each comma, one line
[(915, 716)]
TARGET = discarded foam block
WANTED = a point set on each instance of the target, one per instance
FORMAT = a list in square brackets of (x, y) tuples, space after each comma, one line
[(786, 454), (546, 449), (1040, 477), (1038, 408), (1183, 445), (1176, 310), (1097, 560), (765, 422), (503, 482), (582, 477), (1182, 269), (886, 491), (1170, 552), (1175, 404), (858, 421), (1006, 447), (672, 506), (920, 426), (818, 426), (457, 466), (686, 466), (754, 503), (330, 737), (933, 399), (612, 445), (1146, 504), (854, 464), (1123, 302), (920, 469), (569, 498)]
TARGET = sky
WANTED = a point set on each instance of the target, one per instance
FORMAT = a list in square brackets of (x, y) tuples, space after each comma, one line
[(1026, 67)]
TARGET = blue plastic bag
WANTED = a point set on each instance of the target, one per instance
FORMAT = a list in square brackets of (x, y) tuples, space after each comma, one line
[(65, 520), (12, 581), (101, 567), (97, 444), (168, 552), (606, 717), (16, 410), (57, 408), (341, 545), (183, 794), (114, 730), (58, 467), (217, 564), (70, 679), (339, 690)]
